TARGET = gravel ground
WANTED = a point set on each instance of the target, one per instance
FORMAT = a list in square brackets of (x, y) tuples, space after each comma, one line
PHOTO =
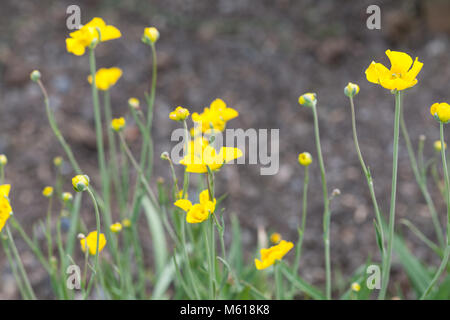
[(258, 56)]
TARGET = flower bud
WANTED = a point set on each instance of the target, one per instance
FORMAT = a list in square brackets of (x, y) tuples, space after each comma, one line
[(356, 286), (47, 192), (441, 112), (35, 75), (126, 223), (57, 161), (3, 160), (80, 182), (335, 192), (165, 155), (351, 90), (81, 236), (179, 114), (305, 159), (66, 196), (150, 36), (438, 146), (116, 227), (275, 238), (118, 124), (133, 103), (308, 99)]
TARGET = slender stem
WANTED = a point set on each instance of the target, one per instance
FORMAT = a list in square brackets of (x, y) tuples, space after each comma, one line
[(444, 262), (301, 231), (326, 203), (368, 178), (388, 255), (422, 183), (278, 281), (49, 230)]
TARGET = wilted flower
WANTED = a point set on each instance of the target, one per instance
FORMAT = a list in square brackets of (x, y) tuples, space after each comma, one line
[(151, 35), (80, 182), (105, 78), (200, 211), (89, 35), (270, 255), (116, 227), (91, 242), (351, 90), (305, 159), (402, 74), (118, 124), (5, 206), (47, 192), (441, 111), (179, 114)]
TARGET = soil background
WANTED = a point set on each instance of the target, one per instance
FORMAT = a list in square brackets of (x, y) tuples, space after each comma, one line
[(258, 56)]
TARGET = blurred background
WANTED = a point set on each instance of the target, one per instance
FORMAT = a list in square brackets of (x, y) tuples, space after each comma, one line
[(258, 56)]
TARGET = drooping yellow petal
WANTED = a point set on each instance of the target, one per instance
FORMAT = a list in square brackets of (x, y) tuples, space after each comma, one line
[(376, 71), (270, 255), (184, 204), (414, 71)]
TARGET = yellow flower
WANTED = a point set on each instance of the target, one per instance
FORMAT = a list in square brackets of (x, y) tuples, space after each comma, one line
[(200, 211), (91, 242), (308, 99), (305, 159), (356, 286), (118, 124), (214, 117), (179, 114), (402, 74), (126, 223), (438, 146), (66, 196), (3, 160), (5, 206), (134, 103), (351, 89), (275, 238), (116, 227), (47, 192), (105, 78), (57, 161), (151, 35), (180, 195), (80, 182), (441, 111), (201, 155), (89, 35), (277, 252)]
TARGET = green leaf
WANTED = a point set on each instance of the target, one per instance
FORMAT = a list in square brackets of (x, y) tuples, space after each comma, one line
[(301, 284)]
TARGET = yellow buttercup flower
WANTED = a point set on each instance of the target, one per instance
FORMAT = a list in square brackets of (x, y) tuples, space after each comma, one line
[(275, 238), (201, 155), (179, 114), (3, 160), (351, 90), (118, 124), (90, 35), (402, 74), (5, 206), (305, 159), (151, 35), (91, 243), (105, 78), (134, 103), (438, 145), (214, 117), (198, 212), (270, 255), (116, 227), (126, 223), (80, 182), (308, 99), (47, 192), (356, 286), (441, 111)]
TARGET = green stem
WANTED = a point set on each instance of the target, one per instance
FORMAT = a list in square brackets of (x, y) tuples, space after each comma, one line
[(388, 255), (301, 231), (326, 203), (444, 262)]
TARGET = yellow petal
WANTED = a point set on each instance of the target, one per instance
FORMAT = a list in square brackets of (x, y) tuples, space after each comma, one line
[(412, 74), (4, 189), (229, 154), (110, 33), (204, 196), (400, 61), (376, 71), (183, 204)]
